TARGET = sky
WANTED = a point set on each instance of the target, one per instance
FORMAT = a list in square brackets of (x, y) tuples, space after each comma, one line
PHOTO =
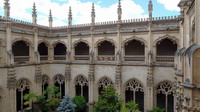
[(105, 10)]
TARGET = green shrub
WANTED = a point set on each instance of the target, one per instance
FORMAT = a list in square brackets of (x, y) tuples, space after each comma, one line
[(80, 103), (158, 109), (132, 106)]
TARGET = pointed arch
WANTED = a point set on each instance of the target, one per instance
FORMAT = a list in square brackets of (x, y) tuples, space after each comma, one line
[(105, 39), (79, 41), (81, 79), (172, 38), (141, 40), (45, 42), (59, 81), (45, 82), (28, 42), (59, 41)]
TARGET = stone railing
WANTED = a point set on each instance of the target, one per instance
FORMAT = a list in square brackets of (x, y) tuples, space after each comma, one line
[(59, 57), (81, 57), (43, 57), (165, 59), (134, 58), (21, 58), (106, 58)]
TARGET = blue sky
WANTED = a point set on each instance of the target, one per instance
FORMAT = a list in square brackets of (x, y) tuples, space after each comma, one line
[(106, 10)]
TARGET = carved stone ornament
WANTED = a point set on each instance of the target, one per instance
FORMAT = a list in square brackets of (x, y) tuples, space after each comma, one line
[(118, 77), (81, 80), (22, 85), (38, 75), (105, 82), (60, 79), (150, 77), (134, 86), (67, 72), (91, 73), (11, 80)]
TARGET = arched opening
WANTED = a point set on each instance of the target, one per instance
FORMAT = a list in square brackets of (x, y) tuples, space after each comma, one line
[(134, 92), (45, 82), (81, 51), (165, 98), (104, 83), (43, 50), (81, 85), (134, 51), (59, 81), (23, 88), (196, 67), (60, 51), (106, 51), (21, 51), (166, 49)]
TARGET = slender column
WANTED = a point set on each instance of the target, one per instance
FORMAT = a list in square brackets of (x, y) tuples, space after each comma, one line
[(118, 78), (69, 36), (67, 79), (197, 21), (9, 54), (38, 80), (6, 9), (91, 79), (37, 55)]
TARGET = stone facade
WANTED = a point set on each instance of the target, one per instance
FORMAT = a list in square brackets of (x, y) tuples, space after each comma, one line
[(135, 56)]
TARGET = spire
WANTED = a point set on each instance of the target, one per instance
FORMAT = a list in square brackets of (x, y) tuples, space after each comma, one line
[(50, 19), (70, 17), (93, 14), (34, 15), (119, 11), (150, 9), (6, 9)]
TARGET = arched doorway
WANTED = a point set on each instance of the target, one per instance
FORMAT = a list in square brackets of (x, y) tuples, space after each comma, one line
[(60, 51), (19, 54), (134, 92), (134, 51), (81, 51), (106, 51), (104, 83), (81, 85), (59, 81), (43, 51), (23, 87), (165, 50), (165, 97)]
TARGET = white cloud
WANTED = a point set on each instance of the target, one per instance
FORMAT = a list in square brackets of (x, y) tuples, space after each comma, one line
[(81, 11), (171, 5)]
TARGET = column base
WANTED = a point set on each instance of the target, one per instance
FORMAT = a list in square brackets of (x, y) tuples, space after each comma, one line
[(90, 106)]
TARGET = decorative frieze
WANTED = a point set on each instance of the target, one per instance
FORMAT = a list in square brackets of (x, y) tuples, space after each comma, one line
[(67, 72), (118, 77), (91, 73), (150, 77), (38, 75), (11, 80)]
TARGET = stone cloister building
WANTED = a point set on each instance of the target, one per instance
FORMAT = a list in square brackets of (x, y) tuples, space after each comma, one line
[(153, 61)]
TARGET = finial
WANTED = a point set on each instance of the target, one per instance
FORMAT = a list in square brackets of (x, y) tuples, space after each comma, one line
[(50, 19), (93, 14), (119, 11), (34, 14), (150, 9), (6, 9), (70, 17)]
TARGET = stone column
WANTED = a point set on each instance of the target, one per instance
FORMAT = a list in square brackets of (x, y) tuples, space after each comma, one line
[(150, 85), (35, 46), (91, 79), (8, 39), (38, 80), (118, 78), (69, 47), (67, 79), (11, 87), (197, 17)]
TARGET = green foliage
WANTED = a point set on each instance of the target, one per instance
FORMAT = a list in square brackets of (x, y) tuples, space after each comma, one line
[(66, 105), (109, 101), (80, 103), (158, 109), (124, 109), (44, 103), (132, 106)]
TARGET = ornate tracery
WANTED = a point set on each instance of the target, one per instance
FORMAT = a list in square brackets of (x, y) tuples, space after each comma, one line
[(81, 84), (59, 81), (164, 93), (134, 92), (23, 87), (45, 82), (104, 83)]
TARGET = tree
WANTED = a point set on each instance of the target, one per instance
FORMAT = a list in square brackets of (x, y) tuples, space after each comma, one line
[(66, 105), (109, 101), (132, 106), (80, 103)]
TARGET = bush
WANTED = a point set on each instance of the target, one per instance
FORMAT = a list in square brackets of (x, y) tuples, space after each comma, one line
[(66, 105), (132, 106), (158, 109), (109, 101), (80, 103)]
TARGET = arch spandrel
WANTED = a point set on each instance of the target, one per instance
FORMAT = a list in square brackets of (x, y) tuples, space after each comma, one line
[(81, 80), (28, 42), (79, 41), (172, 38), (105, 82), (141, 40), (103, 40), (59, 41)]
